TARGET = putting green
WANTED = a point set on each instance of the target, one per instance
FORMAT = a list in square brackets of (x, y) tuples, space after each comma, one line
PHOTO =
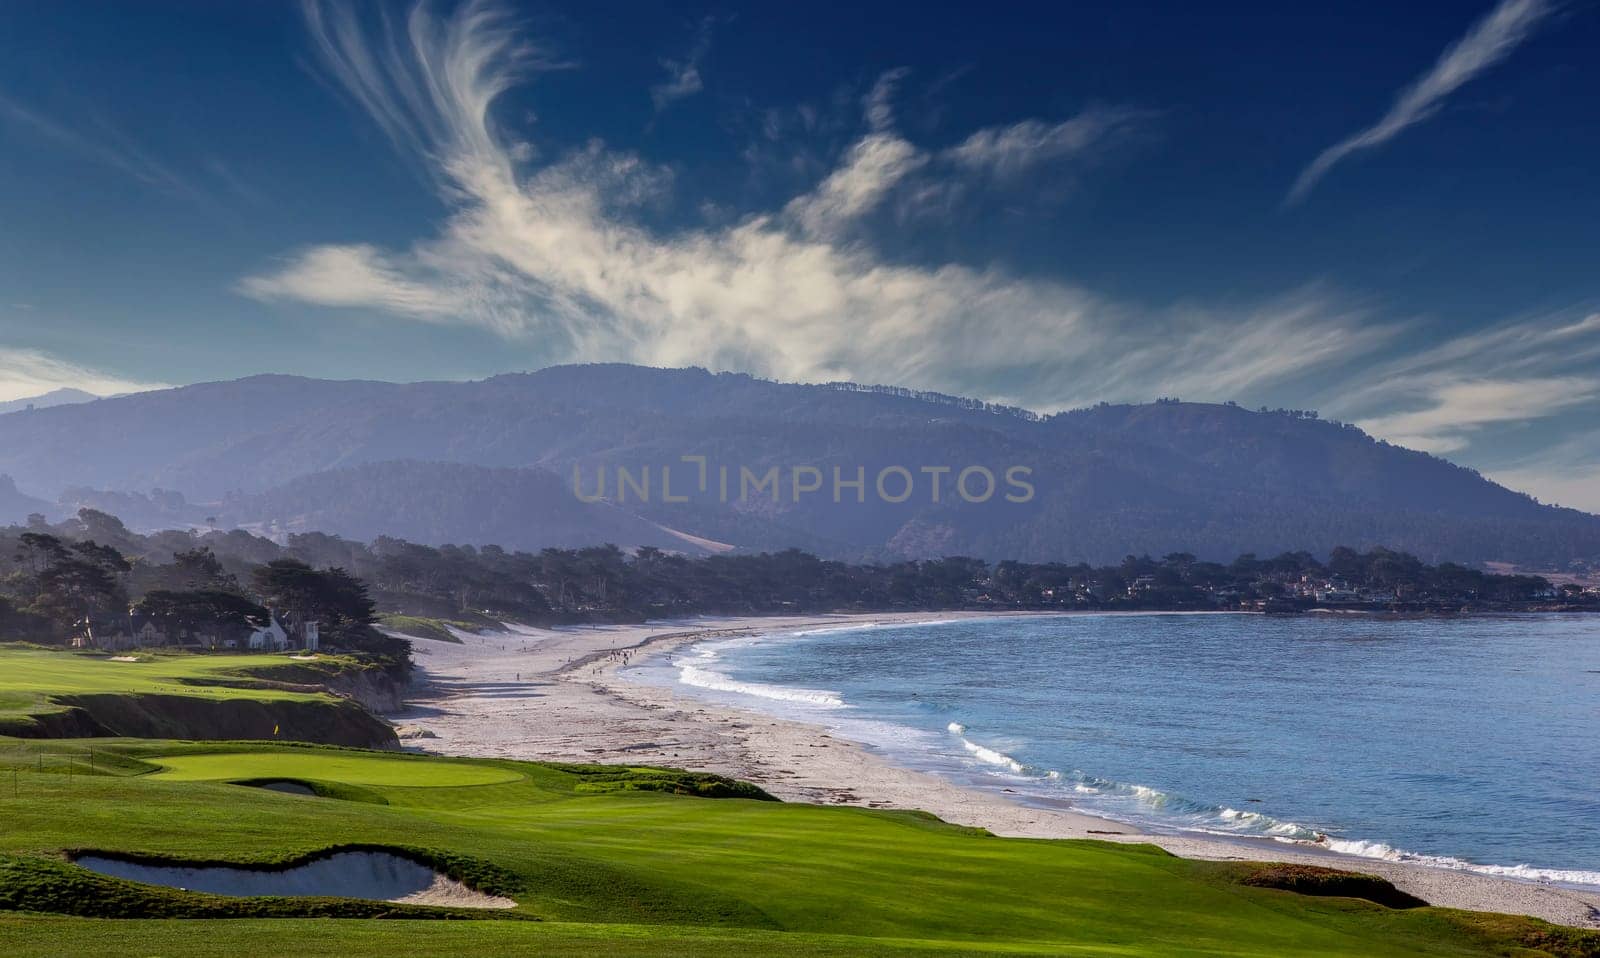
[(350, 769)]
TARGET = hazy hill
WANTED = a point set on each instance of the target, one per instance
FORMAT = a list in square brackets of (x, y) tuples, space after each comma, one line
[(439, 502), (16, 506), (1216, 480), (56, 397)]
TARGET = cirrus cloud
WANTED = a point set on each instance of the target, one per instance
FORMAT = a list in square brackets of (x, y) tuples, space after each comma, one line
[(1489, 41), (551, 256), (25, 373)]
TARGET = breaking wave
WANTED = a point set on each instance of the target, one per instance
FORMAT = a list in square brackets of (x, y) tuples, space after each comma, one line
[(949, 745), (1142, 805), (1388, 853), (992, 757), (696, 670)]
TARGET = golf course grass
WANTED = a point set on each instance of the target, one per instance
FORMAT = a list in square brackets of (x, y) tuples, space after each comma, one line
[(46, 693), (349, 769), (624, 862), (423, 627), (29, 677)]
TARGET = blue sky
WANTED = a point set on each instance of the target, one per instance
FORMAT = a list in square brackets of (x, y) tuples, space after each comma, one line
[(1384, 212)]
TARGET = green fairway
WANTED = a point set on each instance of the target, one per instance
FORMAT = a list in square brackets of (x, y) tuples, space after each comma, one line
[(351, 769), (609, 860), (54, 694), (29, 678)]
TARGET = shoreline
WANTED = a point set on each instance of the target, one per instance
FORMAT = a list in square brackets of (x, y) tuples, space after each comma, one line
[(556, 694)]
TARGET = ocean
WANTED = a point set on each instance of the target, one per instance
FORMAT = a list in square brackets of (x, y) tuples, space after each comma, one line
[(1463, 742)]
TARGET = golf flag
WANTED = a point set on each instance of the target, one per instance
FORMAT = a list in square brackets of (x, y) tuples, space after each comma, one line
[(275, 731)]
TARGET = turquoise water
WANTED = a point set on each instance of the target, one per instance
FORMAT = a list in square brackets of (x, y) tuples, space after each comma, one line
[(1463, 742)]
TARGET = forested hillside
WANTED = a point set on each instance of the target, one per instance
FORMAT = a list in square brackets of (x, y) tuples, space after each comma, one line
[(494, 462)]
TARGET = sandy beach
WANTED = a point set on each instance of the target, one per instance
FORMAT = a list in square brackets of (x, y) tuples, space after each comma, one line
[(555, 694)]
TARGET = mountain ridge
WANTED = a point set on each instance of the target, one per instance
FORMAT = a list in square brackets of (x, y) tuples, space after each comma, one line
[(1214, 479)]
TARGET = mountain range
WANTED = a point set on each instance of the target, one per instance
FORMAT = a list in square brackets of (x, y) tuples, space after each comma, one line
[(497, 461)]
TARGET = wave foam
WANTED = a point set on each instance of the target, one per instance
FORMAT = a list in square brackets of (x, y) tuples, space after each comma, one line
[(1382, 852), (716, 681), (1221, 820), (991, 757), (1122, 801), (696, 671), (983, 753)]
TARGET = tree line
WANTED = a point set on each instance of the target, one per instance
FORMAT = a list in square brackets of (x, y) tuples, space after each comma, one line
[(56, 582), (51, 577)]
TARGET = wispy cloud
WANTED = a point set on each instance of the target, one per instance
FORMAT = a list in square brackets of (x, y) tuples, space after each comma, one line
[(109, 147), (553, 258), (878, 104), (1442, 397), (683, 76), (873, 166), (1488, 42), (1457, 409), (359, 276), (30, 372), (1006, 152), (203, 181)]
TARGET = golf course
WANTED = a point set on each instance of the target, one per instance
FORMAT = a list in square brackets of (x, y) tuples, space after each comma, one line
[(629, 861), (115, 843)]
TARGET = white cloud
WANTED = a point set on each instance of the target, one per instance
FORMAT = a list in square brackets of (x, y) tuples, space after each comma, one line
[(1458, 408), (1488, 42), (873, 166), (553, 258), (878, 104), (1006, 152), (1439, 398), (25, 373), (683, 76), (683, 80), (356, 276)]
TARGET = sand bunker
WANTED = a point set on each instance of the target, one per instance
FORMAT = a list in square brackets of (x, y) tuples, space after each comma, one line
[(378, 876), (288, 788)]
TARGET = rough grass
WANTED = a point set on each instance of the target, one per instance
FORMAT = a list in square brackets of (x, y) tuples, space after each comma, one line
[(618, 778), (336, 791), (1326, 882), (630, 868)]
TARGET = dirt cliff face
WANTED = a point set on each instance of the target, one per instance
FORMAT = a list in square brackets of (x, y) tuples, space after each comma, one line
[(377, 689), (199, 719), (373, 688)]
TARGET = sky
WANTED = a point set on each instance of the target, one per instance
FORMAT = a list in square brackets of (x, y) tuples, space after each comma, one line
[(1384, 212)]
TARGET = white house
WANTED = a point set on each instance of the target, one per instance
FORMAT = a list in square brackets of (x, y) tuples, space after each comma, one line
[(269, 638)]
